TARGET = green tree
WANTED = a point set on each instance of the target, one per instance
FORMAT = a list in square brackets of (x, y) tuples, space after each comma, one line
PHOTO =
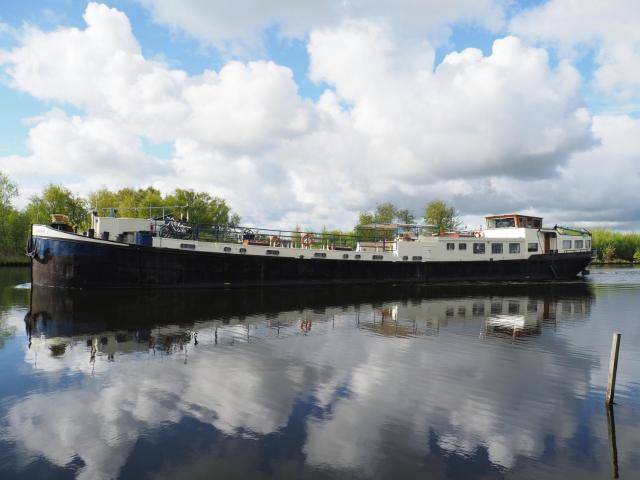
[(636, 256), (14, 225), (444, 217), (203, 208), (8, 191), (58, 199), (405, 216)]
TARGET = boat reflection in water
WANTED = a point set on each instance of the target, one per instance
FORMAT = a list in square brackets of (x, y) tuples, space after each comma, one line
[(129, 321), (359, 381)]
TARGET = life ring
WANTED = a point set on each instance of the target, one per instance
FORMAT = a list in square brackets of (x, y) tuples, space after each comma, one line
[(307, 240)]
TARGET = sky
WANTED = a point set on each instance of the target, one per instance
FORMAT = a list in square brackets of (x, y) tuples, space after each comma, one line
[(307, 113)]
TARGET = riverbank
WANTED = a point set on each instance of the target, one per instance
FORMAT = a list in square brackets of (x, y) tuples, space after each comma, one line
[(15, 261)]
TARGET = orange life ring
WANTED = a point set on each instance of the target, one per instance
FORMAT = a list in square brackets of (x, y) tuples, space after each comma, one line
[(307, 240)]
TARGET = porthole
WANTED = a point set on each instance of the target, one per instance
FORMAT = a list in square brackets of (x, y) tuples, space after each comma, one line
[(345, 255), (227, 249), (273, 252), (242, 250), (416, 259), (377, 257), (358, 257), (320, 255)]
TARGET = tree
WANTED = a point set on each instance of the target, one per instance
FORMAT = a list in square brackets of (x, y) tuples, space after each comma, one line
[(57, 199), (405, 216), (13, 224), (8, 191), (203, 208), (444, 217)]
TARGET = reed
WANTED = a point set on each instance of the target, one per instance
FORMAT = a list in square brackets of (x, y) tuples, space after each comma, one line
[(616, 246)]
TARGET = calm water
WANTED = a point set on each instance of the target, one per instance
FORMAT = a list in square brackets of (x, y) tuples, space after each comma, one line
[(494, 381)]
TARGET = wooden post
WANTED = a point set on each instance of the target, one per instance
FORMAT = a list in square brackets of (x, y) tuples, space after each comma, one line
[(613, 368), (613, 448)]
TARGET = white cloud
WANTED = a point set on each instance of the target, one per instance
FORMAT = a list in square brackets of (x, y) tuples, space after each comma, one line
[(242, 26), (506, 113), (607, 29), (86, 151), (488, 132)]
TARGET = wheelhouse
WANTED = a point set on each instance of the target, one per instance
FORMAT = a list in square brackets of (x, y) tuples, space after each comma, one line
[(513, 220)]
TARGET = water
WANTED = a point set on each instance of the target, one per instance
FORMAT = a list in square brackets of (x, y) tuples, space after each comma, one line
[(492, 381)]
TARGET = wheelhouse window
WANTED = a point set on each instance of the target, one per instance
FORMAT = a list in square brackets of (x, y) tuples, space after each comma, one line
[(507, 222), (514, 248), (588, 243), (579, 243), (532, 247), (566, 244), (496, 248), (462, 246), (478, 248), (451, 246)]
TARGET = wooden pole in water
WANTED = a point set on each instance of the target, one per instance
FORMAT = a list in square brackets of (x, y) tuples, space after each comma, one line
[(613, 448), (613, 368)]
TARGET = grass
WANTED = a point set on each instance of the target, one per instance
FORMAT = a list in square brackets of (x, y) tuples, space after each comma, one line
[(14, 260)]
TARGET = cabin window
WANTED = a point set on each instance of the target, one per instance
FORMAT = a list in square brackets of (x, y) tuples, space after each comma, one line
[(188, 246), (462, 311), (243, 250), (345, 255), (532, 307), (496, 248), (273, 252), (227, 249), (579, 243), (477, 310), (496, 308), (462, 246), (532, 247), (566, 244), (451, 246), (514, 248), (588, 243), (377, 257), (449, 312), (320, 255), (358, 257), (405, 258), (416, 259), (478, 248), (514, 308)]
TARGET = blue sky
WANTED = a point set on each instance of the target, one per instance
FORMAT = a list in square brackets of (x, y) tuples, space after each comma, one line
[(266, 94)]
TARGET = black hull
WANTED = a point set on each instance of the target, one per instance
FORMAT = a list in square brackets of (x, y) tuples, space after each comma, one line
[(80, 264)]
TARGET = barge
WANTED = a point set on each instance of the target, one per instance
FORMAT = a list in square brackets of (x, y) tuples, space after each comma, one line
[(165, 253)]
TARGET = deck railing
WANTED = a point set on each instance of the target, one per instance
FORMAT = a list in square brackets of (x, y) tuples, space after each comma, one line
[(375, 240)]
